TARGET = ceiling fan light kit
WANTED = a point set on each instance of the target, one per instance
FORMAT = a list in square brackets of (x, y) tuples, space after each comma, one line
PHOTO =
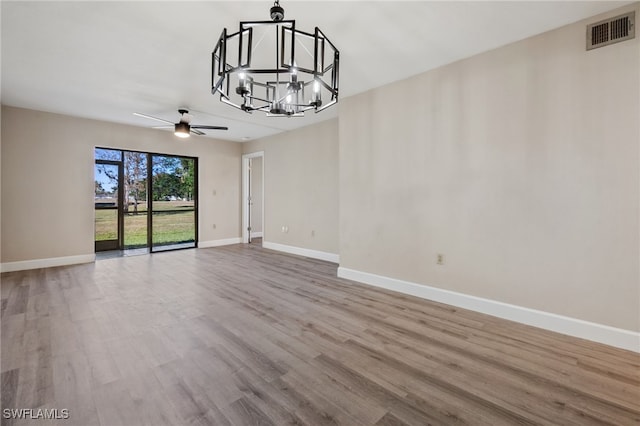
[(183, 128), (273, 67)]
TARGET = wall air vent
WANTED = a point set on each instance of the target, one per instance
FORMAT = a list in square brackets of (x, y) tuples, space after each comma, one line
[(612, 30)]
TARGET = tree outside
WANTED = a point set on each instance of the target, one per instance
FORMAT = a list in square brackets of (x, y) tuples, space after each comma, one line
[(135, 179), (173, 179)]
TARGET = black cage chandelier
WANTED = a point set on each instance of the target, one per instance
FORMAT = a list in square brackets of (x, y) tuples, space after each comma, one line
[(273, 67)]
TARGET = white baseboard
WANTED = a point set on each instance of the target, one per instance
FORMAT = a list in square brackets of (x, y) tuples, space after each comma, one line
[(23, 265), (218, 243), (314, 254), (612, 336), (256, 235)]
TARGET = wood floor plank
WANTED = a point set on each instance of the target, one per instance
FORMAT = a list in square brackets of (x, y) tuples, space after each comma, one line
[(264, 396), (189, 400), (241, 335), (72, 388), (10, 381), (390, 420), (245, 412), (13, 329), (115, 406), (36, 384), (333, 391)]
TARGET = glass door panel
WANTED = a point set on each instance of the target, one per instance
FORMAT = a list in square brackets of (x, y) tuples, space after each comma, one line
[(135, 206), (173, 220), (106, 201)]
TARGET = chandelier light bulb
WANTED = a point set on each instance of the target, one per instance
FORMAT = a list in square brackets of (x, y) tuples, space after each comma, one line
[(317, 96)]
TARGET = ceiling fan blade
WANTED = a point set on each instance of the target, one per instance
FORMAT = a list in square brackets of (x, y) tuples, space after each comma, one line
[(210, 127), (197, 132), (152, 118)]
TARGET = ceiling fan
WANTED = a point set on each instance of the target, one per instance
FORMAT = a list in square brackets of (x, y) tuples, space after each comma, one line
[(182, 128)]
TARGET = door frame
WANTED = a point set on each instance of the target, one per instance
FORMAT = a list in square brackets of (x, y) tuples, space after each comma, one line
[(245, 193), (150, 211), (118, 242)]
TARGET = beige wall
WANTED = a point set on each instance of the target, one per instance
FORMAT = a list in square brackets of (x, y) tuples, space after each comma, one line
[(47, 181), (1, 184), (520, 165), (301, 186)]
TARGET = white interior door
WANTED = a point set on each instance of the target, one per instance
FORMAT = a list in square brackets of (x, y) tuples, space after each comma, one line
[(252, 196)]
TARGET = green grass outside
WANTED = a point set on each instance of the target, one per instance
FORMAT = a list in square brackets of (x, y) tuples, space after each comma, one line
[(168, 227)]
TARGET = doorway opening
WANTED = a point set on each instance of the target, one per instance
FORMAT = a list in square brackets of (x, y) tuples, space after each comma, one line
[(253, 198), (144, 202)]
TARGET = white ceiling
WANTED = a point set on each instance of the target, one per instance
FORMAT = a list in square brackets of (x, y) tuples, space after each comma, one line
[(106, 60)]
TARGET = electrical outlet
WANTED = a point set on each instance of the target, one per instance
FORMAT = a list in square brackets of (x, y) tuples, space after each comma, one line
[(440, 259)]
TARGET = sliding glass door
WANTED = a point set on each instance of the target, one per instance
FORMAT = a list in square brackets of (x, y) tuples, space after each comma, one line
[(145, 201), (174, 217)]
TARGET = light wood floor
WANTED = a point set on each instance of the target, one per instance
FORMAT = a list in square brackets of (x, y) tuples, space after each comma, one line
[(246, 336)]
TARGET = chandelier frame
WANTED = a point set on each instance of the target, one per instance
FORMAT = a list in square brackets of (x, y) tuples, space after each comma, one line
[(291, 89)]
